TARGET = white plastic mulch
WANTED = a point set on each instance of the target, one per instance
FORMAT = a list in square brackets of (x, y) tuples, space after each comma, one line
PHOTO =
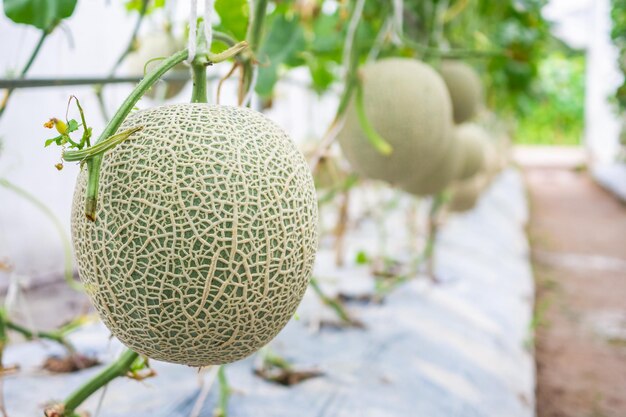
[(457, 348)]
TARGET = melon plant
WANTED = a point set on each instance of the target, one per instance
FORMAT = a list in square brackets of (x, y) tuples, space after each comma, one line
[(205, 236), (407, 104), (465, 89), (471, 141), (154, 45)]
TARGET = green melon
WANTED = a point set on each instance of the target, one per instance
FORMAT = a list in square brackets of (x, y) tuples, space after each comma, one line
[(407, 103), (205, 235), (442, 175), (465, 89), (160, 44), (465, 194), (471, 140)]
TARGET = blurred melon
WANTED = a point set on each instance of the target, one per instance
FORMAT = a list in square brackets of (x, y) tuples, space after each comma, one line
[(443, 174), (471, 141), (465, 87), (407, 103)]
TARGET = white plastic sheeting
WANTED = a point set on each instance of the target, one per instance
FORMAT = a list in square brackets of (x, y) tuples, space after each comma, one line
[(457, 348)]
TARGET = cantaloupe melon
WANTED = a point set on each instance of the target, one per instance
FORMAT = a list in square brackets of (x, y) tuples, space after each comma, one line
[(465, 89), (159, 44), (440, 176), (407, 103), (471, 141), (205, 235)]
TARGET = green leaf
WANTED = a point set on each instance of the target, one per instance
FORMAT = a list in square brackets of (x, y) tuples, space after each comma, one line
[(42, 14), (321, 73), (50, 141), (233, 17), (283, 43), (59, 140), (72, 126)]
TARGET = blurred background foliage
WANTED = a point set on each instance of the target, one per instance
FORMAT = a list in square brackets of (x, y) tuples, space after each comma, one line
[(534, 81), (618, 34)]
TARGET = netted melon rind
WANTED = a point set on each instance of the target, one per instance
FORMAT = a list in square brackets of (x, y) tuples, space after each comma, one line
[(407, 103), (205, 235), (465, 89)]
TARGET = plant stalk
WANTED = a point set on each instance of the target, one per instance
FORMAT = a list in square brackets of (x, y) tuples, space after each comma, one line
[(29, 63), (31, 335), (198, 68), (254, 37), (94, 163), (224, 394), (116, 369)]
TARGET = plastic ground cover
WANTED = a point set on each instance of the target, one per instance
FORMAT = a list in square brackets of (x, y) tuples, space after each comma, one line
[(461, 347)]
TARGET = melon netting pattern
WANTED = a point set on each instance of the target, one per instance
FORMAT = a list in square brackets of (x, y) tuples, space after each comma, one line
[(205, 234)]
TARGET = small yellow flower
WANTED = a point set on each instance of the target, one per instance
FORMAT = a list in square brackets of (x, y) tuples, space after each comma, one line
[(60, 125)]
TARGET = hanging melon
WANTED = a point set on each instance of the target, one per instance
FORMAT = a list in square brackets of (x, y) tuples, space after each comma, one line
[(471, 140), (443, 174), (407, 103), (465, 89), (205, 236)]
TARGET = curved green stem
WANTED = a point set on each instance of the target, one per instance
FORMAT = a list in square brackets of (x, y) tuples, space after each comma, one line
[(224, 395), (29, 63), (224, 38), (67, 247), (253, 36), (377, 141), (31, 335), (116, 369), (94, 163), (335, 305)]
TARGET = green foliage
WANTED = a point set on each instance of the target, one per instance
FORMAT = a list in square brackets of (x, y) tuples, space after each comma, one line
[(521, 36), (234, 16), (556, 116), (282, 46), (618, 34), (138, 5), (362, 258), (42, 14)]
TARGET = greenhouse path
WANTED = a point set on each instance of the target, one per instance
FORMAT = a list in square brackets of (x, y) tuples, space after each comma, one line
[(577, 232)]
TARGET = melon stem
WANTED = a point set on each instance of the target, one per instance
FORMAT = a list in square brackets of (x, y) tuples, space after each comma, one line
[(253, 36), (94, 162), (116, 369), (198, 68)]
